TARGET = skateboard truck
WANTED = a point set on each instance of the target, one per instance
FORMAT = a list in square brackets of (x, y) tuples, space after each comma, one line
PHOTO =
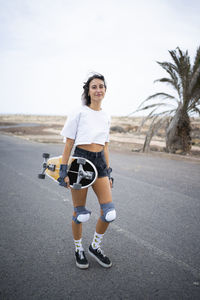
[(45, 166), (82, 174)]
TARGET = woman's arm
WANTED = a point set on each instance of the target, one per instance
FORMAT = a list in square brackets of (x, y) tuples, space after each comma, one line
[(66, 155), (106, 153), (67, 151)]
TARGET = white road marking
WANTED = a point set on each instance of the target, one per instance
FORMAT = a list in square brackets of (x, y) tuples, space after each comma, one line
[(158, 252)]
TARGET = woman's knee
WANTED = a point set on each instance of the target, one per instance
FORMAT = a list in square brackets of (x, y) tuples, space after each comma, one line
[(81, 214), (108, 212)]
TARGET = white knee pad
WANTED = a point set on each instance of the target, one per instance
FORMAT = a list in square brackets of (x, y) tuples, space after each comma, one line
[(82, 214), (109, 212), (111, 215)]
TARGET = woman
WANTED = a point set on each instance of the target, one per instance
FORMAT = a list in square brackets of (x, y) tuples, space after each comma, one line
[(88, 130)]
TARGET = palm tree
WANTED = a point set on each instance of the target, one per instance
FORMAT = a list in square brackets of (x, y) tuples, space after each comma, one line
[(185, 80)]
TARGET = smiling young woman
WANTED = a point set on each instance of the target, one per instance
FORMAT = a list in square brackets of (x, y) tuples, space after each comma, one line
[(88, 130)]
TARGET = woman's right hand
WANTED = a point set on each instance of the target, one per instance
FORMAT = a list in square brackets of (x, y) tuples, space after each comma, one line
[(66, 180)]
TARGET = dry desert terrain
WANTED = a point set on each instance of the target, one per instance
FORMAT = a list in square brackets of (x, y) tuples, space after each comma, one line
[(124, 135)]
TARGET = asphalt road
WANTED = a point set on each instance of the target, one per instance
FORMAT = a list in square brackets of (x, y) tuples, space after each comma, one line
[(154, 243)]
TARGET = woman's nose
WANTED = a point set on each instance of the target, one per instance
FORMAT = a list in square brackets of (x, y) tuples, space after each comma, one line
[(98, 89)]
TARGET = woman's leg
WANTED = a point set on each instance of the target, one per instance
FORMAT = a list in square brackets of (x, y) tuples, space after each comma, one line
[(102, 190), (79, 199)]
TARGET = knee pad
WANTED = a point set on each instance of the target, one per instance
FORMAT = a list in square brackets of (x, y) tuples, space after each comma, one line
[(109, 212), (82, 214)]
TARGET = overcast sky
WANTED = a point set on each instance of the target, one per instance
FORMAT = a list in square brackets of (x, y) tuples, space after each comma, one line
[(48, 48)]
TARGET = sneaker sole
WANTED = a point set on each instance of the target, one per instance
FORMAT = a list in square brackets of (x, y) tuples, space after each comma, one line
[(82, 266), (99, 261)]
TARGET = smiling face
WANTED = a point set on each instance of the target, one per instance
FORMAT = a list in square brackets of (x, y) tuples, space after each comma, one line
[(97, 90)]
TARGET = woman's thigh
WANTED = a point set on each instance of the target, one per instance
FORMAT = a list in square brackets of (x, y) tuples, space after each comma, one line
[(79, 197), (102, 190)]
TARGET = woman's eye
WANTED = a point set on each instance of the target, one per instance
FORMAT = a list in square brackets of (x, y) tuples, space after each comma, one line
[(94, 87)]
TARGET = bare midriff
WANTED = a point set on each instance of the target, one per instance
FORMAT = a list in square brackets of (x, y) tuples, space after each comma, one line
[(92, 147)]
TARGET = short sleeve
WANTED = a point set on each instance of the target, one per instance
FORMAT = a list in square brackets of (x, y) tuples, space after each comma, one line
[(108, 133), (71, 125)]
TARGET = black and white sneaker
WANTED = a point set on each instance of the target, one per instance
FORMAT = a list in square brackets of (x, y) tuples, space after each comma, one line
[(99, 256), (81, 260)]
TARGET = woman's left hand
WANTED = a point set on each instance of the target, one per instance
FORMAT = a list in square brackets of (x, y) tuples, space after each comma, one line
[(111, 182)]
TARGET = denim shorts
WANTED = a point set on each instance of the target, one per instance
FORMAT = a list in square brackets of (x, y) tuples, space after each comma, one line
[(97, 158)]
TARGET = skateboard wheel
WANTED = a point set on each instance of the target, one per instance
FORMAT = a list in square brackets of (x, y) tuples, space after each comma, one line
[(45, 155), (41, 176), (77, 186), (81, 161)]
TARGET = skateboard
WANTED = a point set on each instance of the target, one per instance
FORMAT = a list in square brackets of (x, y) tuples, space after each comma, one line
[(82, 172)]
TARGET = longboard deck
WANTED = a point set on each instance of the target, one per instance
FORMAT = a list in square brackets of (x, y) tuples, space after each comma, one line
[(82, 172), (57, 162)]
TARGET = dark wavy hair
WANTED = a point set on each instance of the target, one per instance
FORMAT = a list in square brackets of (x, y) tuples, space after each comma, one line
[(85, 97)]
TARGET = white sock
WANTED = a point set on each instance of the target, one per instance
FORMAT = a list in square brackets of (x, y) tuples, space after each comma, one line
[(97, 240), (78, 245)]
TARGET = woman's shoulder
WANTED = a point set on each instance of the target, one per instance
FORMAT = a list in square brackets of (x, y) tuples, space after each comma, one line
[(75, 112)]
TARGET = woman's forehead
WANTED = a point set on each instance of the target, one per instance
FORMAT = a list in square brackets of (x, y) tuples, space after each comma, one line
[(96, 81)]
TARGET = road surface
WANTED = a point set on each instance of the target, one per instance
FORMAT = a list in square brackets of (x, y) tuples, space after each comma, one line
[(154, 242)]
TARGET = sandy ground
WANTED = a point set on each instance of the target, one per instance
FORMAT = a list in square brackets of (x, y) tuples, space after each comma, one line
[(124, 135)]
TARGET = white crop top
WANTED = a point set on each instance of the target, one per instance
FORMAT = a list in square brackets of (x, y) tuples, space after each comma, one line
[(87, 126)]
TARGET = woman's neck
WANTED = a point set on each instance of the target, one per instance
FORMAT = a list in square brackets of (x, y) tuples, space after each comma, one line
[(95, 106)]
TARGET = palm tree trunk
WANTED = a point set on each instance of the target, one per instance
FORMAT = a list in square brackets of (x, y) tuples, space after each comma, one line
[(178, 136)]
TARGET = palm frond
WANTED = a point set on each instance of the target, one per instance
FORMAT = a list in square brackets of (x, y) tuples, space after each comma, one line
[(195, 101), (175, 58), (145, 119), (169, 68), (195, 82), (172, 70), (157, 105), (182, 61), (153, 129), (162, 95), (196, 61), (165, 113), (164, 79), (153, 114), (196, 110), (173, 82)]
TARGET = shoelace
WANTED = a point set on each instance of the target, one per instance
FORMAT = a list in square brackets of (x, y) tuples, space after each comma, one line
[(100, 251), (81, 254)]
